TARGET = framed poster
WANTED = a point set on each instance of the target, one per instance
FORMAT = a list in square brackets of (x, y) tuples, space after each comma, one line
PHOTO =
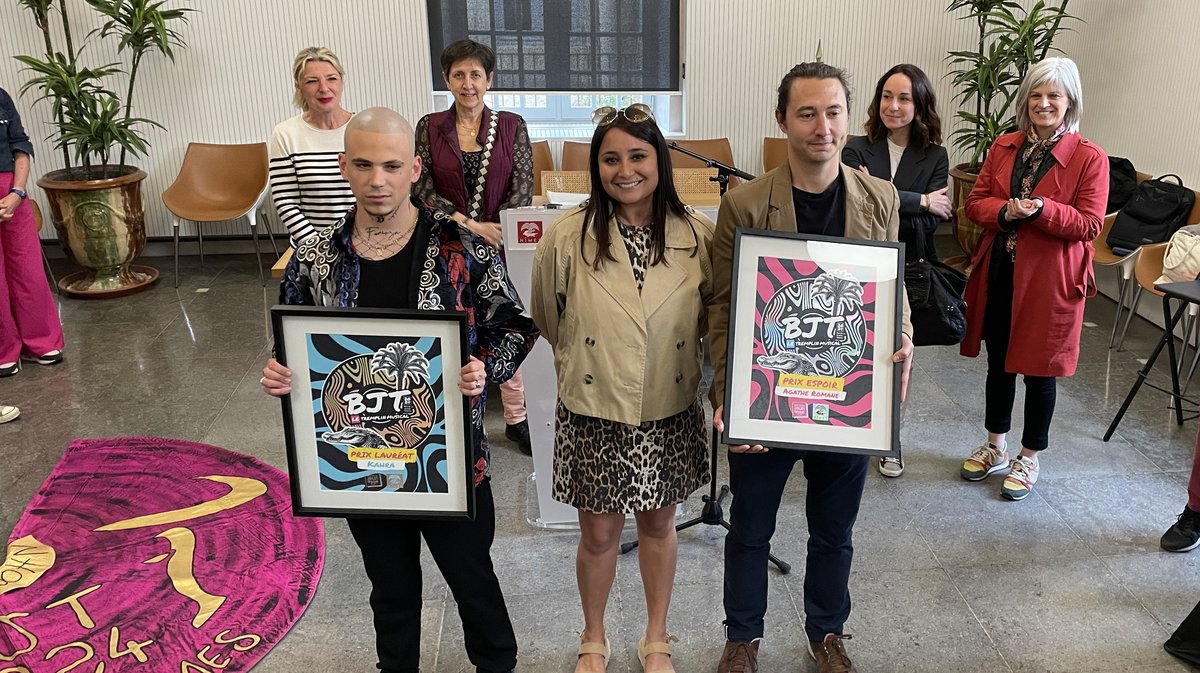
[(375, 424), (813, 324)]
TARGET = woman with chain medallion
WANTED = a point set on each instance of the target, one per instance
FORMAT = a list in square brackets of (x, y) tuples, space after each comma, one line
[(477, 162)]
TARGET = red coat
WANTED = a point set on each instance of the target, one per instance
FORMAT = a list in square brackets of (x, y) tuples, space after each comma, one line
[(1053, 274)]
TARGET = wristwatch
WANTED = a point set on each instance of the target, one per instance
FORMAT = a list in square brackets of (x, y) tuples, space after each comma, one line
[(19, 192)]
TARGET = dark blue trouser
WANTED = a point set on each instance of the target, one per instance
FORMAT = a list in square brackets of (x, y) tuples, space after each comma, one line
[(835, 486)]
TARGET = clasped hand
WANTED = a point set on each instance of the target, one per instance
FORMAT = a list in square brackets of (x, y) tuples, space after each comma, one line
[(1020, 209)]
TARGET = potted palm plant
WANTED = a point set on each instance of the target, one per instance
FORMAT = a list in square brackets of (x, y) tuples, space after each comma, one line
[(1010, 39), (96, 204)]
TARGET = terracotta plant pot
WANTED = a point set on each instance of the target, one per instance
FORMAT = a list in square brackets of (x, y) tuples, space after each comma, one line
[(966, 232), (101, 226)]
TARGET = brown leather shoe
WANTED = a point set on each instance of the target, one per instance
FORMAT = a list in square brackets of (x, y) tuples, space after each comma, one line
[(831, 655), (739, 657)]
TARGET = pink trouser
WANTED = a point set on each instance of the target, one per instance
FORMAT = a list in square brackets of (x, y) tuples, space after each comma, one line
[(29, 322), (512, 396), (1194, 481)]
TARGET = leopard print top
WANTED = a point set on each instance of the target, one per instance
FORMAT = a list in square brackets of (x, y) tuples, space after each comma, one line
[(637, 242)]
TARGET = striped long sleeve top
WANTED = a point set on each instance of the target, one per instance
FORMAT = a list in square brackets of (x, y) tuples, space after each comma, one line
[(306, 185)]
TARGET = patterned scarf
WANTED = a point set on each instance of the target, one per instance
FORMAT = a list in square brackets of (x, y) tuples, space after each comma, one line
[(1033, 155)]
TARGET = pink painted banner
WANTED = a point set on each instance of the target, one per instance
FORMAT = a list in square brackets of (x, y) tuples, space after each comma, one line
[(148, 554)]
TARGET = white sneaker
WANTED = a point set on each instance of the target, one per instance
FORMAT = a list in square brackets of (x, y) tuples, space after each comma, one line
[(891, 467), (8, 413), (985, 460), (1022, 475)]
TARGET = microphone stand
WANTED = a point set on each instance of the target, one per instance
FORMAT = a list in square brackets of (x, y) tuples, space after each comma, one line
[(712, 513), (723, 170)]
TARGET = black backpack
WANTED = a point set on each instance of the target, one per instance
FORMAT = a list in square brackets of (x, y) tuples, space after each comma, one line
[(1122, 183), (1154, 212)]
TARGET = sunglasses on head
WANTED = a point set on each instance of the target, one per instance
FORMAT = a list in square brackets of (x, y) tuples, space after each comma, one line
[(636, 113)]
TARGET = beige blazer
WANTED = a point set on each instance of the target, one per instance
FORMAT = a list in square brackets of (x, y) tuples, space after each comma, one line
[(872, 213), (620, 355)]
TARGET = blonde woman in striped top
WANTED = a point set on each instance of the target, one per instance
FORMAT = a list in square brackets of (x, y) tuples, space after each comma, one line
[(306, 183)]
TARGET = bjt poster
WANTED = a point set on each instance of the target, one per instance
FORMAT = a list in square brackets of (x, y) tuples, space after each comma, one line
[(813, 344)]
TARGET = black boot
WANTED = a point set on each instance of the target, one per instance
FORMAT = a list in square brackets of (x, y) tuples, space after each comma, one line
[(519, 433)]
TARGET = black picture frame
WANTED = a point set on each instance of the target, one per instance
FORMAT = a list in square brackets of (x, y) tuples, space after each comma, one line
[(371, 355), (793, 381)]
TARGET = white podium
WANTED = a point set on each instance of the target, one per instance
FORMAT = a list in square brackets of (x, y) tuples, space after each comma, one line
[(523, 228)]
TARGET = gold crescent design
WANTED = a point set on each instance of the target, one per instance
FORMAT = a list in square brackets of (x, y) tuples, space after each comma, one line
[(242, 491)]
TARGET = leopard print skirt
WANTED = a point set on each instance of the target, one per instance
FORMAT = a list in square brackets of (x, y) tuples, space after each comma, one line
[(603, 466)]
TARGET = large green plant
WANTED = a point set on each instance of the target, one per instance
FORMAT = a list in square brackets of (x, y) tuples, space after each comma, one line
[(88, 117), (1010, 39)]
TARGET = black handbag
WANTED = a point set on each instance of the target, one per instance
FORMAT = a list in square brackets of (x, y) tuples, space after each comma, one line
[(1122, 183), (935, 298), (1156, 210)]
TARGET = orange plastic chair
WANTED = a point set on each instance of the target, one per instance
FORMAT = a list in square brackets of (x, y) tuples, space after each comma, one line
[(575, 156), (1146, 270), (218, 183), (542, 161), (774, 153), (1124, 266)]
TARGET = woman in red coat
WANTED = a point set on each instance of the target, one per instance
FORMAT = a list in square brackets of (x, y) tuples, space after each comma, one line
[(1040, 198)]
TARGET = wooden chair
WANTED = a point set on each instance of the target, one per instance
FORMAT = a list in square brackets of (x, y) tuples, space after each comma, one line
[(542, 161), (696, 181), (570, 182), (37, 220), (574, 156), (774, 153), (218, 183), (718, 149)]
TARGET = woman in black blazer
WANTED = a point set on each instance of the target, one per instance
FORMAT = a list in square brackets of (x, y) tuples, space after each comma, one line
[(903, 145)]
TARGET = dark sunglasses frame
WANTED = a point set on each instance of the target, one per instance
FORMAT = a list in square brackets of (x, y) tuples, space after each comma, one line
[(636, 113)]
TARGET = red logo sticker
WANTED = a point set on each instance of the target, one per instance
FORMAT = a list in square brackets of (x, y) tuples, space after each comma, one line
[(529, 231)]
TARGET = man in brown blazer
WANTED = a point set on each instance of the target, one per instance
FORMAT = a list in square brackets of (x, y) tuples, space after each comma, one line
[(812, 193)]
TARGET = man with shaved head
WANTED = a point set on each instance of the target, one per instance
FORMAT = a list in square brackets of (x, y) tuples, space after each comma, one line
[(389, 251)]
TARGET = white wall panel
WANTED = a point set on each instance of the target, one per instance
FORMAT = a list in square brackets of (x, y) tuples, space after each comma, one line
[(1139, 62), (233, 82)]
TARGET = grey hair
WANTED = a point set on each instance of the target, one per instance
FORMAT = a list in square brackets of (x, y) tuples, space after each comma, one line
[(302, 59), (1061, 71)]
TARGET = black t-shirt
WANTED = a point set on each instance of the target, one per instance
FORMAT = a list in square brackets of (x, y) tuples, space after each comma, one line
[(824, 213), (386, 283)]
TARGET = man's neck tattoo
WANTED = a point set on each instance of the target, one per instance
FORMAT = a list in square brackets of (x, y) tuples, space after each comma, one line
[(385, 218)]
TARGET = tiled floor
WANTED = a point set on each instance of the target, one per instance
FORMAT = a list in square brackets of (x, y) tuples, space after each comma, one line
[(948, 577)]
